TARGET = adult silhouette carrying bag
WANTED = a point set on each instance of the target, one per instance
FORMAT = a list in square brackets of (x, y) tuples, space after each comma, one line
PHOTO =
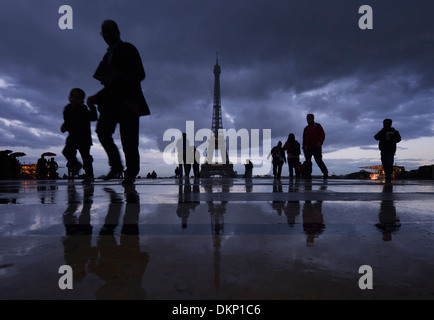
[(120, 101)]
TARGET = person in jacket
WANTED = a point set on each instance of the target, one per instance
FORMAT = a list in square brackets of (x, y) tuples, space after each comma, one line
[(313, 139), (185, 155), (278, 155), (77, 118), (120, 101), (388, 137), (292, 148)]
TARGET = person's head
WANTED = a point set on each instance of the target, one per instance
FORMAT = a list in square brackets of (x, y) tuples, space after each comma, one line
[(76, 96), (291, 137), (110, 32), (387, 123), (279, 144), (310, 118)]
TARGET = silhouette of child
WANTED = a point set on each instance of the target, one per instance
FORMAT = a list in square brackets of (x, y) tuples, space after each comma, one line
[(77, 117)]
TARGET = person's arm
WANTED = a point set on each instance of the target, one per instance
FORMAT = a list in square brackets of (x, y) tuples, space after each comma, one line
[(397, 136), (93, 116), (379, 135), (269, 155), (321, 134), (65, 124)]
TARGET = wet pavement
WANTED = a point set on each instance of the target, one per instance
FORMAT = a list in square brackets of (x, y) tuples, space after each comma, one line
[(217, 239)]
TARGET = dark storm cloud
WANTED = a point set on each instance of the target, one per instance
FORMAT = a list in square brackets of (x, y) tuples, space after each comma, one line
[(279, 59)]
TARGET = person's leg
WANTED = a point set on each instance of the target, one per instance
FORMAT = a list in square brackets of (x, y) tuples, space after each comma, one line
[(87, 162), (308, 169), (105, 128), (274, 169), (279, 169), (129, 130), (296, 164), (70, 153), (291, 168), (387, 161), (196, 170), (317, 153), (187, 168)]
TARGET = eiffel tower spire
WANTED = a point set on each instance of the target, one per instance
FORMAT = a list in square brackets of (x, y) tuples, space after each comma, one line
[(217, 122)]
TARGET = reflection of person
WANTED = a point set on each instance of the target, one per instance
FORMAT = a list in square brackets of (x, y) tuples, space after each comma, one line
[(292, 208), (313, 221), (50, 194), (120, 101), (278, 155), (121, 265), (249, 185), (278, 205), (7, 194), (196, 163), (388, 137), (292, 148), (185, 203), (77, 118), (388, 221), (77, 242), (313, 139)]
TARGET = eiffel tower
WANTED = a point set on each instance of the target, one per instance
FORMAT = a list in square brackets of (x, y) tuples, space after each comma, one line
[(217, 141)]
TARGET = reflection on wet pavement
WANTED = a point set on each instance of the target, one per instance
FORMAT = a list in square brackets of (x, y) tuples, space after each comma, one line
[(216, 239)]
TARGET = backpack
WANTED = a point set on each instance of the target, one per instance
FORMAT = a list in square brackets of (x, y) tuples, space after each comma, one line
[(278, 154), (294, 148)]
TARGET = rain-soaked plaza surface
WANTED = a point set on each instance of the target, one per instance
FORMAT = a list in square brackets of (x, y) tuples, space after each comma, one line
[(217, 239)]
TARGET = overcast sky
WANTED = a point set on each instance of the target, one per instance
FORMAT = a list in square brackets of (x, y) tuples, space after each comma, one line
[(280, 59)]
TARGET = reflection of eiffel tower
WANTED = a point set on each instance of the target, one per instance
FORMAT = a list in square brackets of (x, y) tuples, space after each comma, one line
[(217, 210), (217, 142)]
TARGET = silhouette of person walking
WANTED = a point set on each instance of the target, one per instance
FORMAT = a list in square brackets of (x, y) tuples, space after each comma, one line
[(293, 152), (77, 118), (120, 101), (278, 155), (388, 137), (185, 155), (313, 139)]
